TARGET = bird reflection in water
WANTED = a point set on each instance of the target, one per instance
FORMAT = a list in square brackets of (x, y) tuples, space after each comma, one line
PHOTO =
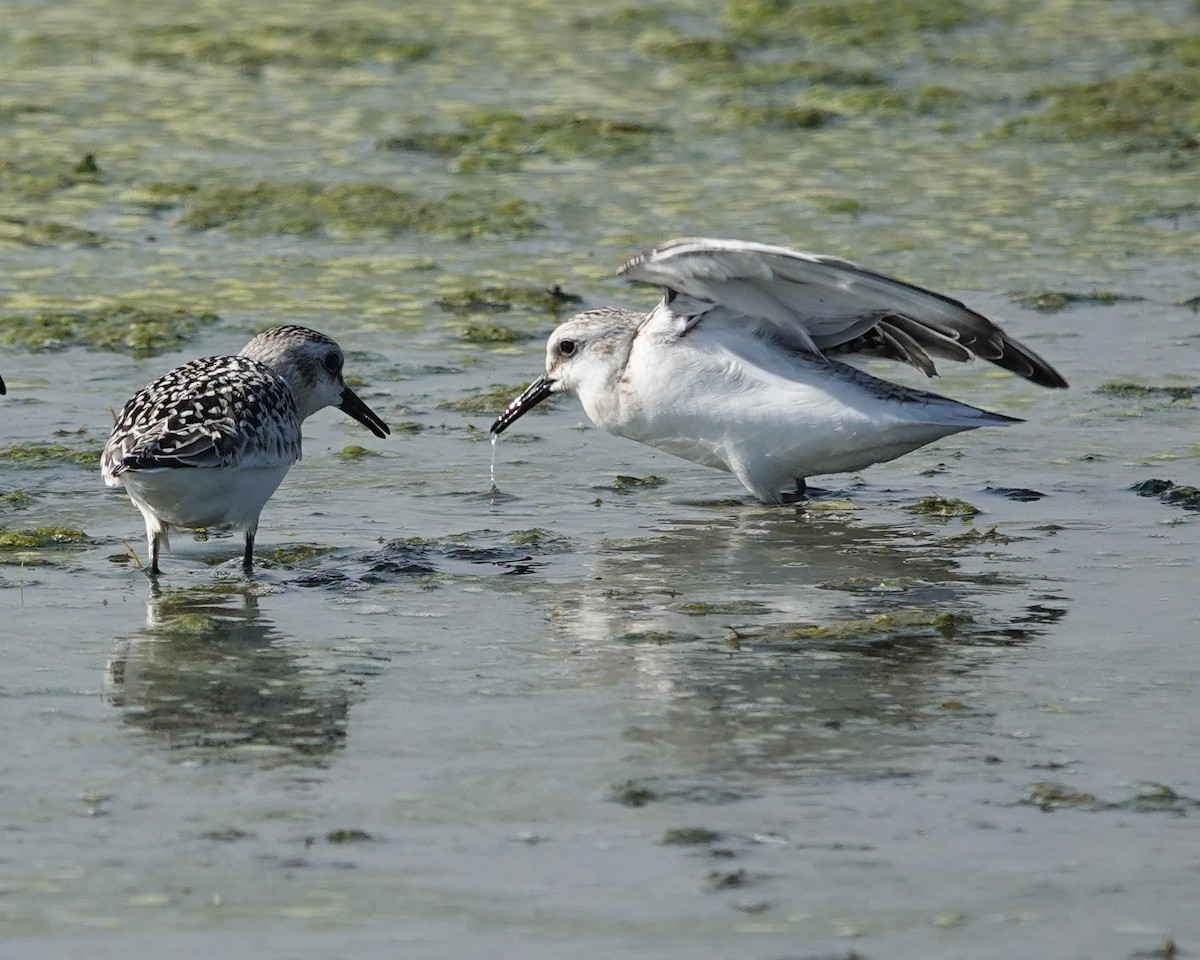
[(772, 644), (209, 675)]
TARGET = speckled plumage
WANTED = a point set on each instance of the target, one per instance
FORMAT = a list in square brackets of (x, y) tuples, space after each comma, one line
[(207, 444), (212, 412)]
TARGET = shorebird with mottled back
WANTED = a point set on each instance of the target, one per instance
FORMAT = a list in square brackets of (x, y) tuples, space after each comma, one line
[(207, 444), (735, 367)]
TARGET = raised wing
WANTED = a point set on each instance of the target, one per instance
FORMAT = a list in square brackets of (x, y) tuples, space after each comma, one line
[(199, 416), (823, 304)]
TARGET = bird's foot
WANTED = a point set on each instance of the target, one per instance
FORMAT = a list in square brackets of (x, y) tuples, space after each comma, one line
[(799, 495)]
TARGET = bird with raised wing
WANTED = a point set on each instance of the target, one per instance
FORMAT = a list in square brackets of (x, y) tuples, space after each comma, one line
[(736, 367), (206, 445)]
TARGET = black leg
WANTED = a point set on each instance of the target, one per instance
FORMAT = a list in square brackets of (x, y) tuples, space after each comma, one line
[(800, 494), (248, 557), (154, 543)]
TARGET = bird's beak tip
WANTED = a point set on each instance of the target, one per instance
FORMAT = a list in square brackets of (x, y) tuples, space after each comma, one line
[(532, 395)]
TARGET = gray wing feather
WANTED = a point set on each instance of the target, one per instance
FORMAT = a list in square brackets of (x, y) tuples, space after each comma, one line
[(825, 304)]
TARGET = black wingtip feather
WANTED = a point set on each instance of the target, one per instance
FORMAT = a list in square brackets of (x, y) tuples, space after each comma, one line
[(1025, 363)]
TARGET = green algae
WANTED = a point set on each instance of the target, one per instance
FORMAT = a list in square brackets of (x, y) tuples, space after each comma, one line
[(488, 400), (829, 506), (818, 73), (1128, 389), (949, 625), (46, 233), (251, 48), (496, 298), (17, 499), (116, 326), (728, 879), (38, 537), (1183, 50), (191, 624), (354, 453), (774, 116), (538, 537), (1049, 796), (485, 334), (738, 68), (503, 140), (875, 626), (48, 454), (639, 793), (626, 484), (1052, 301), (704, 608), (1168, 491), (1167, 949), (752, 75), (665, 44), (182, 600), (872, 584), (1158, 798), (347, 835), (689, 837), (1148, 109), (849, 22), (945, 507), (658, 638), (975, 535), (853, 206), (298, 554), (37, 177), (858, 101), (632, 794), (308, 208)]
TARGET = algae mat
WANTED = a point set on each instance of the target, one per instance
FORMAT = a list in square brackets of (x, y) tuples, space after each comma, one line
[(611, 707)]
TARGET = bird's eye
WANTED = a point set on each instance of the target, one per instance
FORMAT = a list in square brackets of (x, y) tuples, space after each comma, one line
[(566, 348), (333, 361)]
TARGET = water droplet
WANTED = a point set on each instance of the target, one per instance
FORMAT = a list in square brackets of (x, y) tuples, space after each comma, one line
[(495, 489)]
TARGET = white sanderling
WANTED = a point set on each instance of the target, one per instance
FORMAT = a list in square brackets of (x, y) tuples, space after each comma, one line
[(732, 368), (207, 444)]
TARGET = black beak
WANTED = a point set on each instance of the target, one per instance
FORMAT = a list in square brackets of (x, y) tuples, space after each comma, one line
[(2, 390), (352, 406), (534, 394)]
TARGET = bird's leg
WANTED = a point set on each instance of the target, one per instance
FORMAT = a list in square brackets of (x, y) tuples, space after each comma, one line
[(248, 556), (156, 539), (154, 571), (800, 494)]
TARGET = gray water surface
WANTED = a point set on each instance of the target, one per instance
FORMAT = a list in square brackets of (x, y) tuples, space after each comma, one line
[(575, 715)]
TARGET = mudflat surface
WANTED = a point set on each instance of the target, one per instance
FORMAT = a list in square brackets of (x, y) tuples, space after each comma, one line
[(611, 707)]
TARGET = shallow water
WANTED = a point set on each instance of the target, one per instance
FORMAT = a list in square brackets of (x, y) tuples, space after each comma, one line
[(579, 714)]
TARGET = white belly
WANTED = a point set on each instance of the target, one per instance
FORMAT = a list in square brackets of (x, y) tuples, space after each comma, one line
[(204, 496), (772, 419)]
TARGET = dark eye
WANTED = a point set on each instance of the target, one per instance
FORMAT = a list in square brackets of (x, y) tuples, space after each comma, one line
[(566, 348), (332, 361)]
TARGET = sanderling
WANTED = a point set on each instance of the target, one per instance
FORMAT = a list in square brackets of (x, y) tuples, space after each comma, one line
[(207, 444), (732, 369)]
